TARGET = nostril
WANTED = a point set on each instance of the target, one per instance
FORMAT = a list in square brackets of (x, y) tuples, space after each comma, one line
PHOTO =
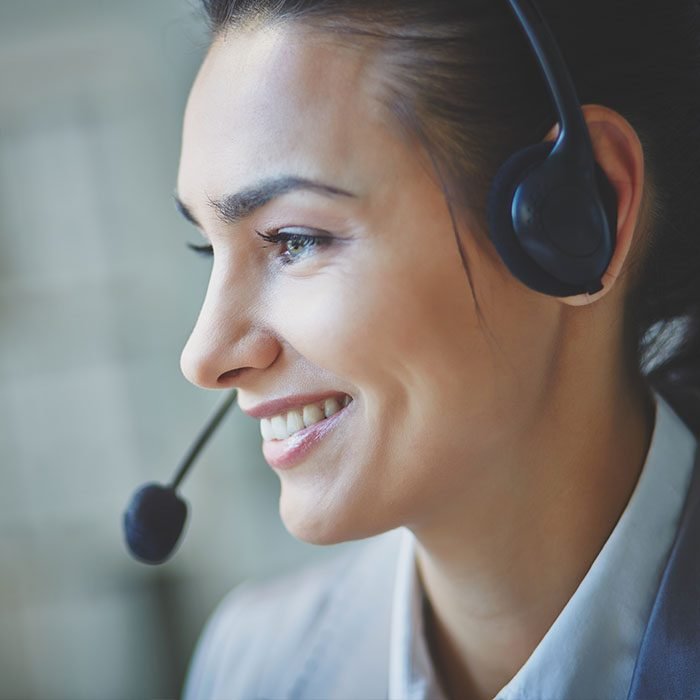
[(228, 376)]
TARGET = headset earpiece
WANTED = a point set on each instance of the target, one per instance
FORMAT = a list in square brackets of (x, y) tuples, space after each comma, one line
[(558, 232), (552, 212)]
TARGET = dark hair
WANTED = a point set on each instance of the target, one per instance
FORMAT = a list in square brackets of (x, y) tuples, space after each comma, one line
[(462, 79)]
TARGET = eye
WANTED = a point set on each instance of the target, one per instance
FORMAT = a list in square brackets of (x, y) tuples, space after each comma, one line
[(294, 245), (205, 250)]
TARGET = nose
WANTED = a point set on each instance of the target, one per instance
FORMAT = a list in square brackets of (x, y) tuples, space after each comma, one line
[(226, 339)]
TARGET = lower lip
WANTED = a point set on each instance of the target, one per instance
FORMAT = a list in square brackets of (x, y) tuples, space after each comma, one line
[(288, 453)]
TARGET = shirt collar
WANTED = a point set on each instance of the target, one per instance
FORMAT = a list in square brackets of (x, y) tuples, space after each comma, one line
[(411, 673), (590, 649)]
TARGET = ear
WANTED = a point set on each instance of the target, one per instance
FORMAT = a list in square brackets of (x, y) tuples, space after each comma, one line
[(619, 153)]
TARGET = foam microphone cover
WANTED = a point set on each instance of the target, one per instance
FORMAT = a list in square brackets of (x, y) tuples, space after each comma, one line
[(153, 523)]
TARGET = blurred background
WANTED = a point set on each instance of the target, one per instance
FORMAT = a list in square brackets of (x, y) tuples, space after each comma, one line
[(98, 293)]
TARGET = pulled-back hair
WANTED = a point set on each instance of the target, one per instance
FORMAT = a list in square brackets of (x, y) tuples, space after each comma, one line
[(462, 79)]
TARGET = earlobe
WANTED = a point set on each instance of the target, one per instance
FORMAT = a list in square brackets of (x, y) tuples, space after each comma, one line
[(619, 153)]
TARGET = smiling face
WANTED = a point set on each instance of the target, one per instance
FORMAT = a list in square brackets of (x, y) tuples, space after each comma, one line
[(377, 306)]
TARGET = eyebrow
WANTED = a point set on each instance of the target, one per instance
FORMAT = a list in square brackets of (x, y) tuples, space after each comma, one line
[(237, 206)]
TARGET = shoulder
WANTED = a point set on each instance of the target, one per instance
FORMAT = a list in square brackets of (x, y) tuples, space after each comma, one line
[(275, 636)]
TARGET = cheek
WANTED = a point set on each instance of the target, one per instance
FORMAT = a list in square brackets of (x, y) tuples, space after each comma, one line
[(336, 320), (386, 319)]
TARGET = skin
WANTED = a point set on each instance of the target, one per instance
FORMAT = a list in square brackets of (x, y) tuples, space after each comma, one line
[(448, 429)]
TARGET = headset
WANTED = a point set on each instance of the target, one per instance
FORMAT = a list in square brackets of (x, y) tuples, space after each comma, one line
[(551, 210), (552, 217)]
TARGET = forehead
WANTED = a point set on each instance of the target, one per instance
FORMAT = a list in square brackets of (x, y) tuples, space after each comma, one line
[(278, 100)]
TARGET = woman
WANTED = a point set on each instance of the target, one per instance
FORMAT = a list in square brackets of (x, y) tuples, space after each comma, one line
[(519, 462)]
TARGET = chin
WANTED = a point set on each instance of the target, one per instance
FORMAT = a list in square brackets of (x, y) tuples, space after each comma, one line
[(315, 524)]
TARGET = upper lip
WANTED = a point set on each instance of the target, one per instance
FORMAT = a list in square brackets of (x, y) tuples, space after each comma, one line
[(276, 407)]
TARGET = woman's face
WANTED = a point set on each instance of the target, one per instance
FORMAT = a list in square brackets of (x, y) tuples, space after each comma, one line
[(379, 309)]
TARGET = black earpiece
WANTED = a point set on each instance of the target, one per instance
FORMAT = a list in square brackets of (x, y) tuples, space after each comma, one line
[(552, 212)]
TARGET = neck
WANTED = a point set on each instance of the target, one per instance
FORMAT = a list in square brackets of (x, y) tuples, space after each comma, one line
[(498, 572)]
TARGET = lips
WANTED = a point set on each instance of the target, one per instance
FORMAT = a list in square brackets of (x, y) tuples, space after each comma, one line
[(290, 452)]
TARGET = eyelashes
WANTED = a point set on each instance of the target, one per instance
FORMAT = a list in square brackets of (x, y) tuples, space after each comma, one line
[(205, 250), (291, 244), (294, 245)]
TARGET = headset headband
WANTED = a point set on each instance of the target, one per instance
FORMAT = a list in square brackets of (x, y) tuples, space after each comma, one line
[(574, 141)]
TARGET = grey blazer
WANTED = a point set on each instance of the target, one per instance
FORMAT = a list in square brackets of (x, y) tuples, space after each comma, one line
[(331, 619)]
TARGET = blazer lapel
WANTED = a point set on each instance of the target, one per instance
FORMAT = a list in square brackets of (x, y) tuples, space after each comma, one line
[(345, 653), (668, 663)]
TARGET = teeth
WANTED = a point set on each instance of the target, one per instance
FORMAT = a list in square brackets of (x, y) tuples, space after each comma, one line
[(283, 426), (312, 414), (330, 407), (266, 429), (279, 427), (294, 422)]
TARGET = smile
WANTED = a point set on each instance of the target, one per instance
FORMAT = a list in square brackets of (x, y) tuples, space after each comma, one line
[(287, 452), (290, 423)]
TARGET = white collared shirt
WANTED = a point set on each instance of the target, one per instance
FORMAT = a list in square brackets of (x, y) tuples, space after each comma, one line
[(590, 650)]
